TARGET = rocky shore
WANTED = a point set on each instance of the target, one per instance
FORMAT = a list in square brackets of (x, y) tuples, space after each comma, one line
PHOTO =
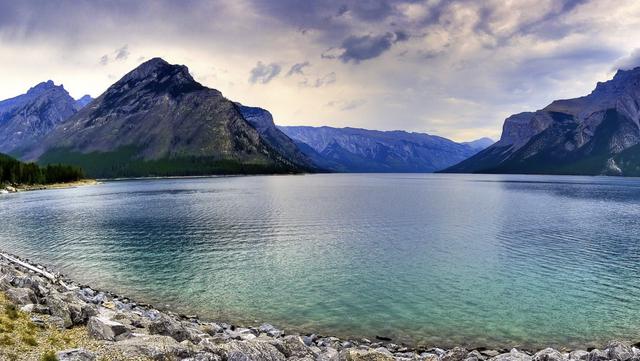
[(104, 326), (36, 187)]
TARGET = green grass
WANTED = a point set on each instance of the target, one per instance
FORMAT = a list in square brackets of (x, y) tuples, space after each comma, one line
[(11, 311), (49, 356)]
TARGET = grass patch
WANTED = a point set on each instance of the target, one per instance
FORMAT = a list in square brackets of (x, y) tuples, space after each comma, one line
[(49, 356), (22, 339), (29, 340), (5, 340), (11, 311)]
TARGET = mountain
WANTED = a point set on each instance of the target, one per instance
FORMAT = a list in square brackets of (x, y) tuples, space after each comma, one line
[(480, 144), (595, 134), (157, 120), (27, 118), (82, 102), (362, 150), (262, 121)]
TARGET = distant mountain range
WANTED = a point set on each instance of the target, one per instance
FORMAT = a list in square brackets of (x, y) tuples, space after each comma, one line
[(362, 150), (591, 135), (27, 118), (158, 121)]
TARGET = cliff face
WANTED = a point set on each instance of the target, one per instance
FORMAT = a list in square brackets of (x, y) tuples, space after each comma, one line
[(594, 134), (157, 120), (27, 118), (262, 120), (363, 150)]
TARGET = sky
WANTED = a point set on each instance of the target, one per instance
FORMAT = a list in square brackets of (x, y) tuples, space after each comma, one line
[(451, 68)]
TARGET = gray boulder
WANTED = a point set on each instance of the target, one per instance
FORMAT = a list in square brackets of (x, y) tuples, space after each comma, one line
[(294, 346), (21, 296), (213, 328), (328, 354), (58, 308), (455, 354), (427, 356), (579, 355), (76, 354), (156, 347), (249, 351), (366, 355), (598, 355), (166, 326), (548, 354), (80, 312), (513, 355), (104, 329), (474, 355), (619, 351)]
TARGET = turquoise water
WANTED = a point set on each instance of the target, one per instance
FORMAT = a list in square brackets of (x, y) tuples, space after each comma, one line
[(477, 260)]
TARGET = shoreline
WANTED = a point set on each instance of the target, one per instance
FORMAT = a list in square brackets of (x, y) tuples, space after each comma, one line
[(140, 330), (39, 187)]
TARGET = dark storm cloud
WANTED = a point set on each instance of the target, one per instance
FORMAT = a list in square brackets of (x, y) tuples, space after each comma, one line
[(372, 10), (264, 73), (358, 48), (298, 68)]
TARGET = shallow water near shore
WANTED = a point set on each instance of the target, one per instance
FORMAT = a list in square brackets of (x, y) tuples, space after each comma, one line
[(475, 260)]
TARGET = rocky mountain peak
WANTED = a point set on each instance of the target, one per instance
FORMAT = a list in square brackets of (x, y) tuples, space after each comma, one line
[(42, 87), (83, 101), (159, 70), (25, 119), (622, 82)]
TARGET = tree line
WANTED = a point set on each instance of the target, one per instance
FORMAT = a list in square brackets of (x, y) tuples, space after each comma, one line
[(15, 172)]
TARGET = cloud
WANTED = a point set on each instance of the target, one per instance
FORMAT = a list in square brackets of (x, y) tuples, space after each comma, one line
[(263, 74), (372, 10), (120, 54), (123, 53), (493, 57), (321, 81), (628, 62), (358, 48), (347, 105), (298, 68)]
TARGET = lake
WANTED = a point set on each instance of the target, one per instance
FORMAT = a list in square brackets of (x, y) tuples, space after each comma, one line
[(429, 259)]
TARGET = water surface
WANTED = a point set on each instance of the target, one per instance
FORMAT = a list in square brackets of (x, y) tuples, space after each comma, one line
[(477, 260)]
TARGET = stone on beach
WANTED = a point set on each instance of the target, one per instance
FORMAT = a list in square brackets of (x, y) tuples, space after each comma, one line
[(619, 351), (598, 355), (156, 347), (455, 354), (367, 355), (248, 351), (581, 355), (22, 296), (104, 329), (513, 355), (77, 354), (548, 354), (59, 308)]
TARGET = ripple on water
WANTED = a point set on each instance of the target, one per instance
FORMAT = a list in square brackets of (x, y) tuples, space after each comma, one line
[(430, 259)]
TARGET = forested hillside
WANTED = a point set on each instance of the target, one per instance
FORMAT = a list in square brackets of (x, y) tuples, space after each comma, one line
[(15, 172)]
